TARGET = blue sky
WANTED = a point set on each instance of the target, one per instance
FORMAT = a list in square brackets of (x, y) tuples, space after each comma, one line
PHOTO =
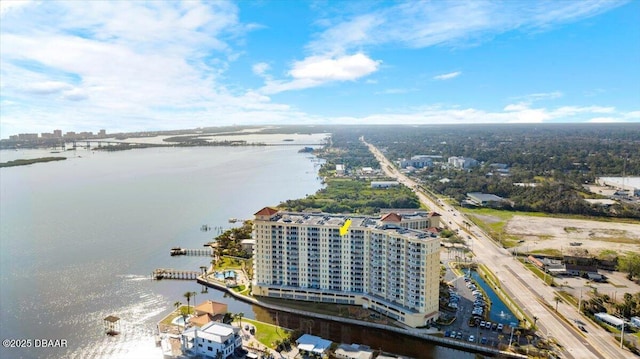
[(136, 66)]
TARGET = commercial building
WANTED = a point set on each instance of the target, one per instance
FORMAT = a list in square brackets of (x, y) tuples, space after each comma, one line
[(629, 185), (384, 184), (462, 162), (419, 161), (484, 199), (374, 262), (610, 319)]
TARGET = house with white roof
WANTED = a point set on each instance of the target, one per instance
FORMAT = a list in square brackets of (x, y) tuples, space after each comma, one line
[(312, 345), (211, 339)]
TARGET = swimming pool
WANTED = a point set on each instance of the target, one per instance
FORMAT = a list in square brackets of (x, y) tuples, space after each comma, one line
[(225, 274), (179, 320)]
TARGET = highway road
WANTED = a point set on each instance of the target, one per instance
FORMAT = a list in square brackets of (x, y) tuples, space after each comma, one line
[(529, 292)]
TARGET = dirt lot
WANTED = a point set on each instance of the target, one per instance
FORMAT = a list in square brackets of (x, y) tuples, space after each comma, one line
[(558, 233)]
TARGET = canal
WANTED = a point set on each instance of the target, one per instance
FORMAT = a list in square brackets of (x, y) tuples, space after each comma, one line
[(347, 333)]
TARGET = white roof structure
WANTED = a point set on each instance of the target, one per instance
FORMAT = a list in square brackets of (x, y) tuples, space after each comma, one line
[(610, 319), (313, 344), (214, 331), (354, 351)]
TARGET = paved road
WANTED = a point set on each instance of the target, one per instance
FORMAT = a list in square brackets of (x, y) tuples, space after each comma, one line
[(528, 290)]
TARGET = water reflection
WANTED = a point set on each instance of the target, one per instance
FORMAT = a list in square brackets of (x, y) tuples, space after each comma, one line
[(499, 312), (346, 333)]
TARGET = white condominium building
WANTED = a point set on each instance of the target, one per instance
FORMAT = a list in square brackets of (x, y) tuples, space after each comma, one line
[(377, 263)]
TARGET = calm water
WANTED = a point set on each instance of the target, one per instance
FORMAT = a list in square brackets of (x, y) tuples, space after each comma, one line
[(499, 313), (79, 239)]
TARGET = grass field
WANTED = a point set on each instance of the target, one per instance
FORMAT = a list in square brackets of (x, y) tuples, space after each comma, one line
[(267, 334)]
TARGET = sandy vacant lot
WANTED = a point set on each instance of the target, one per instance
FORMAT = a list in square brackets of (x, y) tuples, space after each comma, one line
[(559, 233)]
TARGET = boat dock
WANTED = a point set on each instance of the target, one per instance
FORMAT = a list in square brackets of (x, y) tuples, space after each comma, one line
[(204, 252), (168, 273)]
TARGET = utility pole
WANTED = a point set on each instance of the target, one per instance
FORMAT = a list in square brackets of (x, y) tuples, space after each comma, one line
[(580, 301), (511, 337)]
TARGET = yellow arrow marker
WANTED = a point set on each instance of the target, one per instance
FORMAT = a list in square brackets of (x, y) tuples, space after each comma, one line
[(345, 227)]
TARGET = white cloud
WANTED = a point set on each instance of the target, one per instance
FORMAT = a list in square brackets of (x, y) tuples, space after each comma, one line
[(75, 94), (344, 68), (317, 70), (516, 107), (12, 5), (127, 65), (447, 76), (47, 87), (517, 113), (633, 115), (260, 68), (395, 91), (540, 96), (421, 24)]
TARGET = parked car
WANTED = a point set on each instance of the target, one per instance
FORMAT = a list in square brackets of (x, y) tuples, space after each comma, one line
[(483, 340), (472, 338), (494, 326), (500, 326), (482, 323), (459, 335), (488, 325)]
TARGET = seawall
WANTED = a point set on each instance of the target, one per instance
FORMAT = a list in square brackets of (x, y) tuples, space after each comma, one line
[(455, 344)]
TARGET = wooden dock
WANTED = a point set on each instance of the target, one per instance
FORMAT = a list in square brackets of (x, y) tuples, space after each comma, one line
[(169, 273), (204, 252)]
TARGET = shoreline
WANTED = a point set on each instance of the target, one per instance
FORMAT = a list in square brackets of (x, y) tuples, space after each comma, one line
[(446, 342)]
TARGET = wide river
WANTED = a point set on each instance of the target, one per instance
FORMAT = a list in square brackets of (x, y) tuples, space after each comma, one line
[(79, 239)]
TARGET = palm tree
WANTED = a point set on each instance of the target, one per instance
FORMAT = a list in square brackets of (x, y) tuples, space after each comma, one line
[(239, 317), (194, 298), (557, 299), (188, 296), (518, 333), (535, 320), (177, 304)]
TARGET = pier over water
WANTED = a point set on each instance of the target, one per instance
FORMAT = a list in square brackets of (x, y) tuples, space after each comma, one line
[(169, 273)]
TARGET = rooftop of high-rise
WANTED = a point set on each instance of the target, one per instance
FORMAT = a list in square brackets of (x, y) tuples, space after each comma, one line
[(357, 222)]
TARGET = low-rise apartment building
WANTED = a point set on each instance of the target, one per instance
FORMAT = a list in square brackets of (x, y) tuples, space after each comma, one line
[(369, 261)]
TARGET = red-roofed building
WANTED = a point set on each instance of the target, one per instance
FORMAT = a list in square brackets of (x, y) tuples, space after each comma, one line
[(266, 213), (391, 217), (208, 311), (414, 220)]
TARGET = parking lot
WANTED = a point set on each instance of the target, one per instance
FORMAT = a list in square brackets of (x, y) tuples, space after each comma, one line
[(469, 303)]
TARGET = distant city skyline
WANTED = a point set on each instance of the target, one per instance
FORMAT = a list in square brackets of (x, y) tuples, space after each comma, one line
[(154, 66)]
